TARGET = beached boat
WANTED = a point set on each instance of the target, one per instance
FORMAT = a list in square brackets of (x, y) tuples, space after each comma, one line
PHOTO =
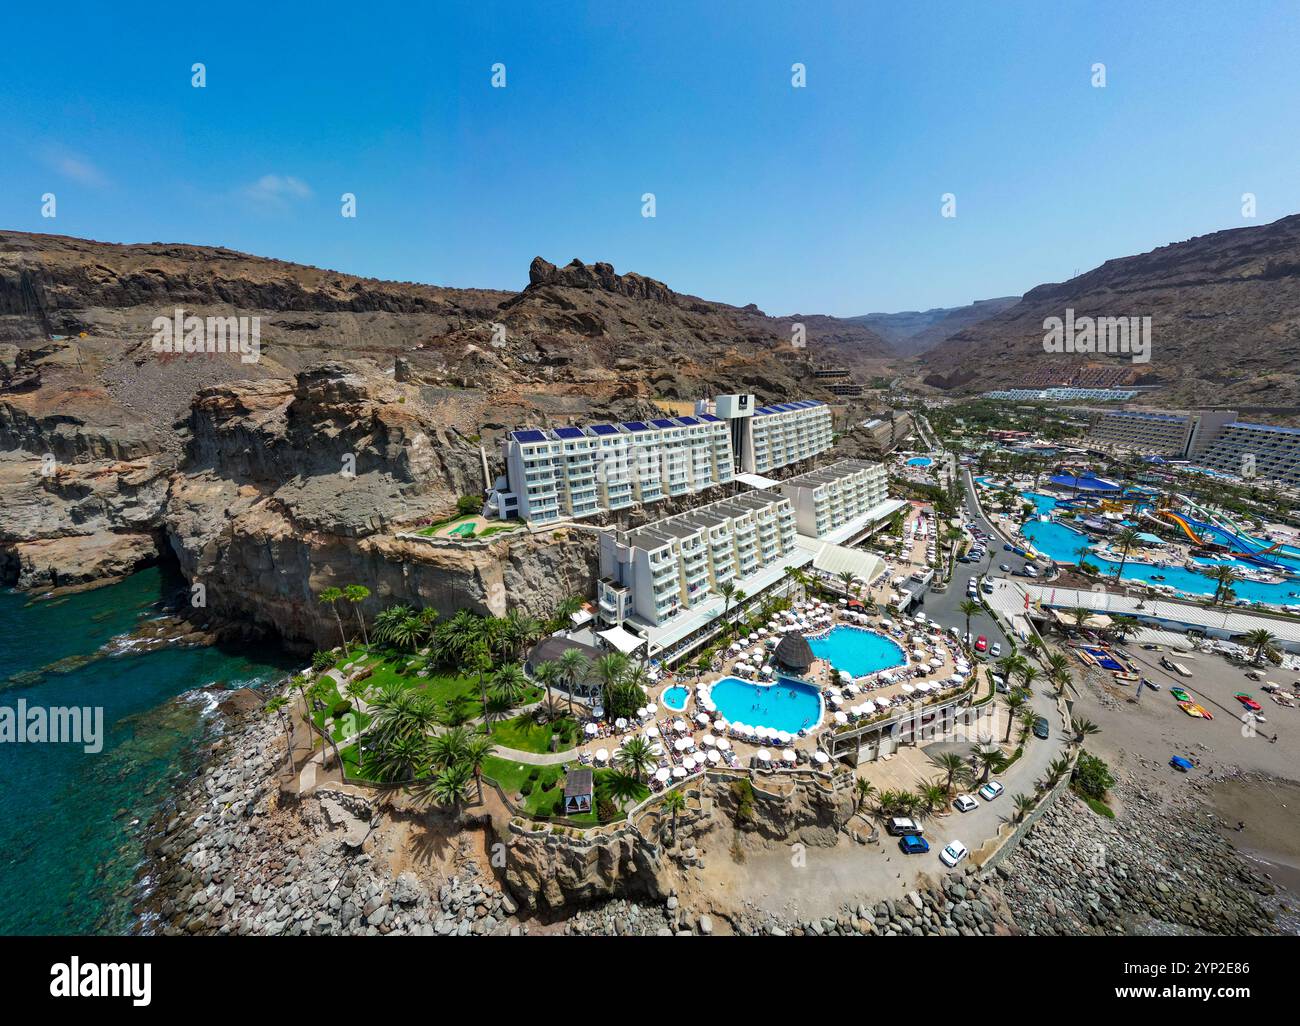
[(1180, 695), (1192, 709)]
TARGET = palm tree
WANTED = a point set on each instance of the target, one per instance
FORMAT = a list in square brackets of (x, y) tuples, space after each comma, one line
[(933, 796), (276, 707), (1024, 805), (847, 577), (952, 764), (674, 802), (1015, 702), (1081, 616), (987, 758), (1027, 720), (357, 690), (637, 756), (609, 671), (479, 659), (1083, 727), (449, 787), (356, 594), (1083, 552), (400, 759), (1028, 674), (387, 621), (969, 608), (799, 577), (574, 667), (564, 610), (1224, 576), (449, 747), (509, 684), (1126, 539), (478, 749), (865, 789), (548, 674), (332, 597), (728, 592), (1264, 643)]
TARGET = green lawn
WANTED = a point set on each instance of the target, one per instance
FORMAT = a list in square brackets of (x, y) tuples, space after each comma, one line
[(400, 668), (523, 734), (339, 729), (542, 803)]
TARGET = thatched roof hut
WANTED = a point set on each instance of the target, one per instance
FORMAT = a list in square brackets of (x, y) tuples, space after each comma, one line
[(794, 653)]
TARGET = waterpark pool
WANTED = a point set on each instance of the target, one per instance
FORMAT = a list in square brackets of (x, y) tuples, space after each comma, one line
[(1061, 544), (857, 652), (919, 461), (1044, 504), (788, 704), (674, 698)]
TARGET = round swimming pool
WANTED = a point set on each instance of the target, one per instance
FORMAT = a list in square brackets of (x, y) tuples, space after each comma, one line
[(856, 651), (674, 698), (788, 704)]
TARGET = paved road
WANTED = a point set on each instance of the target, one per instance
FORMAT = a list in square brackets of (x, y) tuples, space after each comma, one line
[(973, 828)]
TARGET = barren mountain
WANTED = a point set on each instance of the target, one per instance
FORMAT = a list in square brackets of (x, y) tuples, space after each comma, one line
[(113, 454), (1225, 324), (913, 332)]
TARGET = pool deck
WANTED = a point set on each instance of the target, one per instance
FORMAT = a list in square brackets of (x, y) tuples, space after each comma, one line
[(665, 722)]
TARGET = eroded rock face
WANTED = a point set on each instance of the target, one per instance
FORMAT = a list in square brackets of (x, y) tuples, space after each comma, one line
[(546, 874)]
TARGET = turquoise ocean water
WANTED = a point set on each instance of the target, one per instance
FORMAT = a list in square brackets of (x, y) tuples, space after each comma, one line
[(69, 851)]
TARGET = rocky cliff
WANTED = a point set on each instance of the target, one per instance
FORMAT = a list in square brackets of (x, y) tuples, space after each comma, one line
[(1225, 323)]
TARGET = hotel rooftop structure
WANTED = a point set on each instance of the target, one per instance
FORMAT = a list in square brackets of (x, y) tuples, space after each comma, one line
[(766, 438), (1256, 451), (1157, 432), (1215, 439), (567, 473), (831, 497), (656, 571)]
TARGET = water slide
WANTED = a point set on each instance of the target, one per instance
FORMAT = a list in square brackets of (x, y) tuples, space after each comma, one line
[(1247, 548), (1183, 524)]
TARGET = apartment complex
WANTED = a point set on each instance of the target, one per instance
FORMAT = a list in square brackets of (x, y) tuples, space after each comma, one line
[(1173, 433), (574, 472), (656, 571), (765, 438), (1255, 451), (829, 498)]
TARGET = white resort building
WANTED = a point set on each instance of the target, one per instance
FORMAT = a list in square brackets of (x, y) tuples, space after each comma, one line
[(831, 497), (1256, 450), (567, 473), (656, 571)]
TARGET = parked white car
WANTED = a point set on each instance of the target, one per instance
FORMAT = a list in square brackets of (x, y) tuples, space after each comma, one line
[(990, 790), (953, 852), (964, 803)]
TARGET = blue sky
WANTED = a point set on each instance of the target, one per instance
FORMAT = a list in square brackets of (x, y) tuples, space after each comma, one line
[(823, 199)]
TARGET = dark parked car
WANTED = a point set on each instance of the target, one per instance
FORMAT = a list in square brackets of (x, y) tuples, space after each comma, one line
[(913, 844), (1040, 728)]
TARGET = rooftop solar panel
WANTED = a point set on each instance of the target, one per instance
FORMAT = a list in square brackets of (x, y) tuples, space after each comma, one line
[(664, 423), (710, 418), (569, 432), (688, 421), (603, 429), (635, 425), (528, 436)]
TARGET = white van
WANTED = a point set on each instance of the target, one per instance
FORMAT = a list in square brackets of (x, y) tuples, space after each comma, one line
[(900, 825)]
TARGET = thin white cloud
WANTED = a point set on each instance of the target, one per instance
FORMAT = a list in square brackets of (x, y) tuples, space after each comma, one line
[(75, 167), (277, 190)]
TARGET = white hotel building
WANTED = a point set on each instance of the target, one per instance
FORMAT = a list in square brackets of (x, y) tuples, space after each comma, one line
[(573, 472), (1256, 451), (831, 497), (656, 571)]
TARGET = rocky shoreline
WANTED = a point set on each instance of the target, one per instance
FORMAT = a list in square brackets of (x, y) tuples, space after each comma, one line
[(236, 852)]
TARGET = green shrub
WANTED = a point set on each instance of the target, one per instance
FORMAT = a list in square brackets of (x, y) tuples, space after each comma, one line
[(743, 791), (468, 504), (341, 709), (322, 660), (1092, 777), (606, 810)]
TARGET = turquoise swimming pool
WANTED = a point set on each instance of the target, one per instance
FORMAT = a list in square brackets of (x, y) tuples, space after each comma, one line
[(919, 461), (674, 698), (857, 652), (788, 704)]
